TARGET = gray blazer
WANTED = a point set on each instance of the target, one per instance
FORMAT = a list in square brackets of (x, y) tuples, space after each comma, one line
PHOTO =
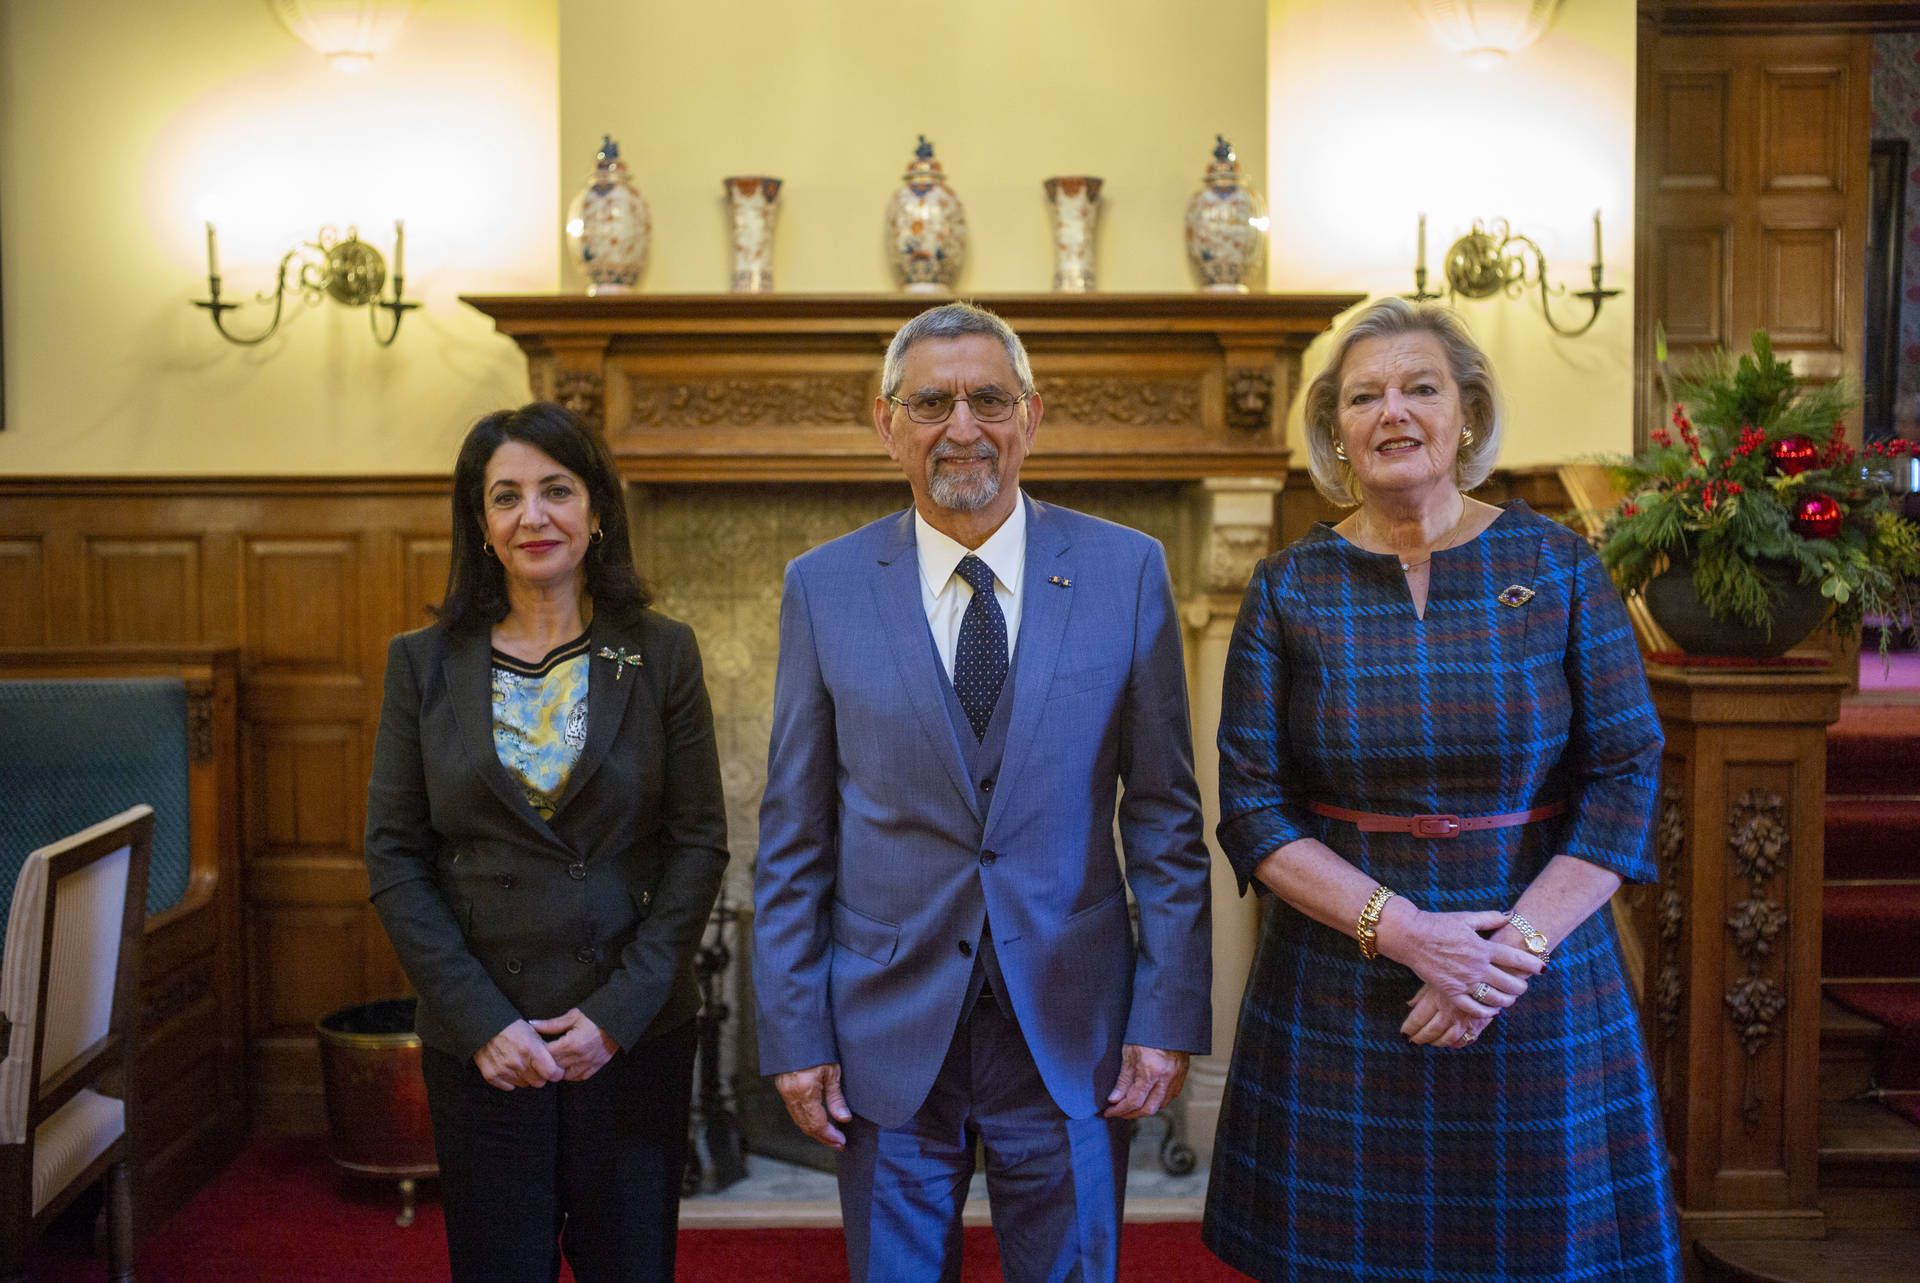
[(880, 865), (497, 914)]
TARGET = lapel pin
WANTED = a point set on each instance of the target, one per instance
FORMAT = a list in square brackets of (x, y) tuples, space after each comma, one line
[(1515, 595), (620, 660), (1058, 582)]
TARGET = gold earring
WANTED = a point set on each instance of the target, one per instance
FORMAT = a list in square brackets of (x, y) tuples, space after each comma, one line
[(596, 536), (489, 550), (1340, 451), (1466, 436)]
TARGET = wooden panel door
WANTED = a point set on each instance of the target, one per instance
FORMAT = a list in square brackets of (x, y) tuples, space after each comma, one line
[(1752, 197)]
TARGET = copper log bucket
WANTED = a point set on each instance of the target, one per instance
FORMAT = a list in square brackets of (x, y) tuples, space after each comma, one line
[(377, 1118)]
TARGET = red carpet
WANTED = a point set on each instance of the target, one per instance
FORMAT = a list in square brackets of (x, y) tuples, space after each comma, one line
[(1873, 836), (1870, 749), (1870, 931), (279, 1214)]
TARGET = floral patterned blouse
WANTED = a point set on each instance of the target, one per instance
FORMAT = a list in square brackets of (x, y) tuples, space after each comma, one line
[(540, 719)]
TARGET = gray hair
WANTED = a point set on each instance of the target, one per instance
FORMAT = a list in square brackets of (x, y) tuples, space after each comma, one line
[(1472, 373), (953, 321)]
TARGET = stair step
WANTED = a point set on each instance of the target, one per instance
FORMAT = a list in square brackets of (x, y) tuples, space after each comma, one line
[(1862, 1143), (1872, 837), (1870, 931), (1848, 1044), (1870, 749), (1844, 1256)]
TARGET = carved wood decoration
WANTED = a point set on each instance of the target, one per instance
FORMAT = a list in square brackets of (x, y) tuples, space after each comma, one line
[(779, 387), (1734, 933)]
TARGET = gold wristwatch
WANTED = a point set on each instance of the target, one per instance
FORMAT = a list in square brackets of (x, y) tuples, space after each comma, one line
[(1535, 942)]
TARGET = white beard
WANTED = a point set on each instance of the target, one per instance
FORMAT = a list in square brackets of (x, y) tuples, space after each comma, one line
[(959, 493)]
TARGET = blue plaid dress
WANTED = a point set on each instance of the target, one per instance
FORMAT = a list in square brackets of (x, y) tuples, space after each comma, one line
[(1344, 1151)]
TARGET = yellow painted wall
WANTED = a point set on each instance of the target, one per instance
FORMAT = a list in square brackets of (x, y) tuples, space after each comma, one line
[(125, 121), (1371, 121), (830, 94)]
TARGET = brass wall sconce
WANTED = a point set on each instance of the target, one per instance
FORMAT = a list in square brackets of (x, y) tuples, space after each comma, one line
[(1492, 259), (347, 270)]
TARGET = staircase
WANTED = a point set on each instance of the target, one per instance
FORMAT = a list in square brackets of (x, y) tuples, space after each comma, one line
[(1870, 952), (1870, 1019)]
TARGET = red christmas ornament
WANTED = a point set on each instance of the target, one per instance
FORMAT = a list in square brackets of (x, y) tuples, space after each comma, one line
[(1793, 455), (1817, 517)]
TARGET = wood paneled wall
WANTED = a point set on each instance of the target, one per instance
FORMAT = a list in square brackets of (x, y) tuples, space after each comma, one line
[(308, 579), (1752, 190)]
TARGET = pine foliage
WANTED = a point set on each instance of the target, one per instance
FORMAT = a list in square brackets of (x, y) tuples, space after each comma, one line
[(1708, 491)]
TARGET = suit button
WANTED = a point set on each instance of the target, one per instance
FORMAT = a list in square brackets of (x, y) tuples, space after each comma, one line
[(586, 953), (986, 785), (506, 881), (513, 966), (577, 871), (966, 950), (988, 857)]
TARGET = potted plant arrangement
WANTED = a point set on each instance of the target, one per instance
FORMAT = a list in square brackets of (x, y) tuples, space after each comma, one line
[(1751, 517)]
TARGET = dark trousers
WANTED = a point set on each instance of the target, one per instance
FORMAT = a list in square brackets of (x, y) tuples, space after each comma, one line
[(1055, 1184), (591, 1168)]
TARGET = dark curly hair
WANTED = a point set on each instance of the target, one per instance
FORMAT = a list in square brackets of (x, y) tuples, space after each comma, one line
[(476, 584)]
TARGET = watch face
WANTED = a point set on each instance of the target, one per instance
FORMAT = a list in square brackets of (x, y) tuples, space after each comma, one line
[(1536, 943)]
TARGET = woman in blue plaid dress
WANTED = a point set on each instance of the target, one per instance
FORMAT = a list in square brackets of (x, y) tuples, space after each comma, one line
[(1438, 753)]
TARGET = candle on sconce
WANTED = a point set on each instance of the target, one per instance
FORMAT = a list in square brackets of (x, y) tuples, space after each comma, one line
[(1420, 254), (213, 252), (1596, 238), (399, 248)]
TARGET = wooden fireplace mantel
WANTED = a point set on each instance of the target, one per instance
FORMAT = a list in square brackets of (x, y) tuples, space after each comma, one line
[(779, 387)]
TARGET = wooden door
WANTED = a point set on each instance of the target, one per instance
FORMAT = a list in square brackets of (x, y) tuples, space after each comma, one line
[(1752, 172)]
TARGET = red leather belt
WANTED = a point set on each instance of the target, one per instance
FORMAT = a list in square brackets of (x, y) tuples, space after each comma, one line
[(1436, 826)]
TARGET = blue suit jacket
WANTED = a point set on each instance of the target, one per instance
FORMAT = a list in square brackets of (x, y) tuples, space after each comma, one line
[(871, 872)]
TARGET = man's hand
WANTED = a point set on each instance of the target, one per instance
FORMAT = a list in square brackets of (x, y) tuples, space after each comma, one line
[(578, 1045), (517, 1057), (815, 1103), (1150, 1079)]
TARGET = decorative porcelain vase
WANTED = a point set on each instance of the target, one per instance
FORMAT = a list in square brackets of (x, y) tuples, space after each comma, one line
[(926, 227), (609, 226), (1227, 227), (1073, 203), (752, 203)]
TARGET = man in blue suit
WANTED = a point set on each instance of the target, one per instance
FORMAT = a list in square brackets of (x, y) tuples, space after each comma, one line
[(942, 945)]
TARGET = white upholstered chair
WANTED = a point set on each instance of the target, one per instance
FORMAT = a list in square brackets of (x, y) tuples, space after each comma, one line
[(69, 986)]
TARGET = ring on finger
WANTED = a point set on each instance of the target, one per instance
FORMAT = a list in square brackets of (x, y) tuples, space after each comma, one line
[(1479, 993)]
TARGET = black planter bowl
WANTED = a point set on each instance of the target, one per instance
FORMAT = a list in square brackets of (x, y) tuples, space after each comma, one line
[(1674, 606)]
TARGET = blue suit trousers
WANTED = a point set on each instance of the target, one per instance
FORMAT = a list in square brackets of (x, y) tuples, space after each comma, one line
[(1055, 1184)]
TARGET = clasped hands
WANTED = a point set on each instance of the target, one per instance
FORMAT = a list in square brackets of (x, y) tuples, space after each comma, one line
[(533, 1053), (1453, 959), (1149, 1080)]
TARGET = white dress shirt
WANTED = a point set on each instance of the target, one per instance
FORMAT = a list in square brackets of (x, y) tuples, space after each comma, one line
[(945, 595)]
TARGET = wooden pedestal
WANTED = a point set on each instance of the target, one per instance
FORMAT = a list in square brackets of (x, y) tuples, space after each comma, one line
[(1732, 936)]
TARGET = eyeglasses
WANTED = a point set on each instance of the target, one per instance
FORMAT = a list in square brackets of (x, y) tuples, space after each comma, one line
[(934, 407)]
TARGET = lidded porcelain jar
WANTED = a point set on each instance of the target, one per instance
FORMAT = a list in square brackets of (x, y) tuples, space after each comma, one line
[(609, 226), (1227, 227), (926, 227)]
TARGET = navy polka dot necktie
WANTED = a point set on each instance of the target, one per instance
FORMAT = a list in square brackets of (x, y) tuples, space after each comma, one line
[(980, 660)]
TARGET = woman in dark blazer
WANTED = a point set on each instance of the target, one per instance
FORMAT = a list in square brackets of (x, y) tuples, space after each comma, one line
[(545, 840)]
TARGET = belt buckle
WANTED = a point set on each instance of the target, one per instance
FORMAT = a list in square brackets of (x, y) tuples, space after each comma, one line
[(1436, 826)]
